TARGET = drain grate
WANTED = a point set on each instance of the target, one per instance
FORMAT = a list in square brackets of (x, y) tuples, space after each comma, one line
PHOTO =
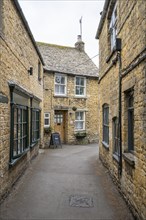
[(81, 201)]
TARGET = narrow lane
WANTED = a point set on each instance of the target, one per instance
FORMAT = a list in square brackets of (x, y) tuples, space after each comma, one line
[(64, 184)]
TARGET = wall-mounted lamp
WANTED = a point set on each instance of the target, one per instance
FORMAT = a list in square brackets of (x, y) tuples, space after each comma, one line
[(30, 71)]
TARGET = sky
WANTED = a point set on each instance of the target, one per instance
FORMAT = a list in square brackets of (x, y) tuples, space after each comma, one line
[(57, 22)]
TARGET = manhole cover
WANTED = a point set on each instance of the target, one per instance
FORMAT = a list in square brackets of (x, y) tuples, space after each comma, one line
[(81, 201)]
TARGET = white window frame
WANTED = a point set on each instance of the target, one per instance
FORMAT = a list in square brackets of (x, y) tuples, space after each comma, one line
[(80, 121), (78, 95), (113, 28), (45, 117), (65, 85)]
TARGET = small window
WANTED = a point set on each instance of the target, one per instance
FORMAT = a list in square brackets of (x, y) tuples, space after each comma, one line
[(60, 84), (39, 70), (106, 124), (46, 120), (35, 125), (116, 149), (113, 28), (130, 112), (80, 121), (80, 86), (58, 118)]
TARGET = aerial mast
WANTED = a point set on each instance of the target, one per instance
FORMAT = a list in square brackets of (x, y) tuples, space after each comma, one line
[(80, 27)]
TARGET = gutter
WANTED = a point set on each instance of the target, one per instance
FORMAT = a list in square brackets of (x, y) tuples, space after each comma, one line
[(20, 12)]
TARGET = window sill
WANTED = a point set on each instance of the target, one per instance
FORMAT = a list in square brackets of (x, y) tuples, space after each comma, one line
[(15, 161), (105, 145), (60, 96), (116, 158), (110, 56), (34, 144), (129, 158), (80, 97)]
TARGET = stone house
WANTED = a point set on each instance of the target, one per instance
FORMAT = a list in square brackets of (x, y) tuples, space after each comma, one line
[(122, 105), (21, 95), (70, 93)]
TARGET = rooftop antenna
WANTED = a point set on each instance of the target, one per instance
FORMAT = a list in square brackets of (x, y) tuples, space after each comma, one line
[(80, 27)]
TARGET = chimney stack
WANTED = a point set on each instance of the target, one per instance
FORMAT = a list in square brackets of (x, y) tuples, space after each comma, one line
[(79, 45)]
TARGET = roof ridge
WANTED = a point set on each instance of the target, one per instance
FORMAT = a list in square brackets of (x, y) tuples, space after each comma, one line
[(54, 45)]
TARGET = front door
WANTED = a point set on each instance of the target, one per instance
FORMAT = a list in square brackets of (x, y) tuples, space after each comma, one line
[(59, 124)]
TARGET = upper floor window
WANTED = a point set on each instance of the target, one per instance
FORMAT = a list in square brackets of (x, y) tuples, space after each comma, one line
[(80, 121), (113, 28), (60, 84), (46, 120), (80, 86), (39, 70), (106, 124)]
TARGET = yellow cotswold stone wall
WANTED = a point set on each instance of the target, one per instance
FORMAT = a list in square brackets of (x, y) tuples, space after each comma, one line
[(18, 54), (131, 28), (87, 104)]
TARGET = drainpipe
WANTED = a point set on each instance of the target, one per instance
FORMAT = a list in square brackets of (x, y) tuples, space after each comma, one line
[(120, 112)]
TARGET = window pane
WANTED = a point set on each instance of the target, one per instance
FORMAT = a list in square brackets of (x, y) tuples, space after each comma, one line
[(46, 121), (62, 80), (82, 82), (58, 79), (62, 89), (77, 81), (56, 89)]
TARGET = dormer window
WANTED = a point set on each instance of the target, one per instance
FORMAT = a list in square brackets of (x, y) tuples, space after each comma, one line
[(113, 28)]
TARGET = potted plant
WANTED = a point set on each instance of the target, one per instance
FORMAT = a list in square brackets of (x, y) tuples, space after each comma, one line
[(80, 134), (47, 130)]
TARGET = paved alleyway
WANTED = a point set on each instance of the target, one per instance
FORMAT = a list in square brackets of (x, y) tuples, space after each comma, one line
[(64, 184)]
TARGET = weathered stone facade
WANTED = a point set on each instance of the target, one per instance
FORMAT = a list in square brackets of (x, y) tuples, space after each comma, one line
[(70, 63), (87, 104), (122, 78), (19, 92)]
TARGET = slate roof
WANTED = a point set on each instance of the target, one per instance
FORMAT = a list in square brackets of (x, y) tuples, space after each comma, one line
[(67, 60)]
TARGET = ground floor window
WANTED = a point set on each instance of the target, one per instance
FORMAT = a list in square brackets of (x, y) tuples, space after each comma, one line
[(106, 123), (46, 120), (25, 122), (130, 113), (80, 120), (20, 143), (116, 149), (35, 124)]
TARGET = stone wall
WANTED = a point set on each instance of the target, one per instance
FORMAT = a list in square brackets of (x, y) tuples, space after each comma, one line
[(131, 22), (88, 104), (18, 54)]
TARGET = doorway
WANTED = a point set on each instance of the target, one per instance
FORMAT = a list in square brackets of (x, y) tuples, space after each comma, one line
[(59, 124)]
